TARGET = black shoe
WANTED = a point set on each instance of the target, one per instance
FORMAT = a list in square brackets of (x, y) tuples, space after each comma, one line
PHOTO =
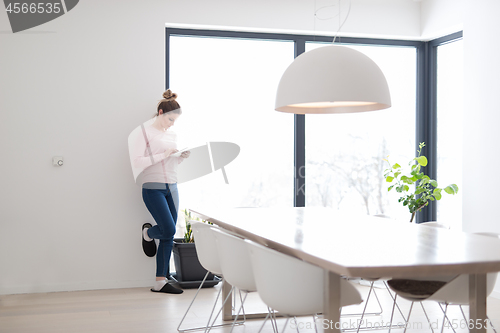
[(168, 289), (149, 247)]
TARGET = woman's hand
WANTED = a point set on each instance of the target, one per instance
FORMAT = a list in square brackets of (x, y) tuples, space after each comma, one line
[(169, 152), (185, 154)]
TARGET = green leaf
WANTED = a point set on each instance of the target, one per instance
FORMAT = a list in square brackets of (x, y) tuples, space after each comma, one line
[(422, 160), (437, 195), (389, 179), (434, 183), (390, 188), (407, 188), (396, 166), (451, 189), (397, 174)]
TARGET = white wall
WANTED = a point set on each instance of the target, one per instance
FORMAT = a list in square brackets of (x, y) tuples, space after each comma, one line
[(481, 118), (76, 87), (441, 18)]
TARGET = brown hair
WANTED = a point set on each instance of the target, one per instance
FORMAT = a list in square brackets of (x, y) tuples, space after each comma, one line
[(168, 103)]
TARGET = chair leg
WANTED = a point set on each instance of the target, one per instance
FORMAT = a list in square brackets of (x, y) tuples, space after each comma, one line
[(275, 322), (378, 301), (286, 323), (491, 324), (395, 303), (269, 315), (315, 326), (463, 313), (236, 318), (209, 327), (392, 313), (446, 318), (409, 314), (366, 304), (242, 307), (296, 324), (189, 307), (426, 316), (364, 313)]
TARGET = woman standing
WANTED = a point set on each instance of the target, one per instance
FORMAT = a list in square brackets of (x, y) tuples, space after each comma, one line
[(154, 153)]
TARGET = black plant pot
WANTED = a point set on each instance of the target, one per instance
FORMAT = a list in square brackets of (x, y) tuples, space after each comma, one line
[(188, 267)]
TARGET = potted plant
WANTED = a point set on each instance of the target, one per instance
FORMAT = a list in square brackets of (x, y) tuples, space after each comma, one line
[(189, 272), (425, 190)]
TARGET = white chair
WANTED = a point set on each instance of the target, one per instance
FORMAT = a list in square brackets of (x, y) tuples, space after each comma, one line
[(206, 249), (235, 264), (444, 290), (278, 284)]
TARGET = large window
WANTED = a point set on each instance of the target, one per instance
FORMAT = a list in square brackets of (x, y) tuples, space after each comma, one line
[(345, 152), (227, 83), (226, 87), (449, 128)]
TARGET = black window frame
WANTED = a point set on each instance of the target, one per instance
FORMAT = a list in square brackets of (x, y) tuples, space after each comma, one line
[(426, 126), (426, 94)]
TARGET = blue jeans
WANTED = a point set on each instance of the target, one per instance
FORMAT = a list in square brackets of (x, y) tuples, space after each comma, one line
[(162, 201)]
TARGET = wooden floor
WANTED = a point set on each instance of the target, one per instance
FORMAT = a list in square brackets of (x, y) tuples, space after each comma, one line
[(137, 310)]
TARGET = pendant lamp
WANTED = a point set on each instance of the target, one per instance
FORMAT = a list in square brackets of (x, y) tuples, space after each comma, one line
[(332, 79)]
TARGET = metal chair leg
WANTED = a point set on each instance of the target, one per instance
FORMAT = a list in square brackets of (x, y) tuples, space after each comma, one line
[(364, 313), (236, 318), (269, 315), (491, 324), (242, 308), (409, 314), (209, 327), (211, 313), (395, 303), (189, 307), (446, 317), (364, 309), (426, 316), (286, 323)]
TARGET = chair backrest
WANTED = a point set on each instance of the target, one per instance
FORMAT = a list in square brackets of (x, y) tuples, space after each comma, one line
[(457, 290), (234, 260), (290, 285), (206, 248)]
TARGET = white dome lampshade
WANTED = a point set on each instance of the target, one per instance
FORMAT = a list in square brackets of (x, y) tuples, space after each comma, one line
[(332, 79)]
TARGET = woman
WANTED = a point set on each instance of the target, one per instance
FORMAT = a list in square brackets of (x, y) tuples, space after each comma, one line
[(154, 153)]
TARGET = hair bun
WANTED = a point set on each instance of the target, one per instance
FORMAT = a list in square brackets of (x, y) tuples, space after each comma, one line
[(169, 95)]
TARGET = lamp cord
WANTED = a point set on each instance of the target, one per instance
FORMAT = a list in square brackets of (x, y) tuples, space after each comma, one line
[(329, 18), (340, 27)]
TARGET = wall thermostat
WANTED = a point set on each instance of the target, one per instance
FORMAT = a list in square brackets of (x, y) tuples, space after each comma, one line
[(57, 161)]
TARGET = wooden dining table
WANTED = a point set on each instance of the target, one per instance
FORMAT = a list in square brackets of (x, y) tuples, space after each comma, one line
[(357, 245)]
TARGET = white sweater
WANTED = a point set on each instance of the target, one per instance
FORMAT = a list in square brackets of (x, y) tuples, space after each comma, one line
[(153, 167)]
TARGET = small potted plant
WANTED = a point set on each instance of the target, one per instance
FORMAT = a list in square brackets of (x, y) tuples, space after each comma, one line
[(189, 272), (425, 190)]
